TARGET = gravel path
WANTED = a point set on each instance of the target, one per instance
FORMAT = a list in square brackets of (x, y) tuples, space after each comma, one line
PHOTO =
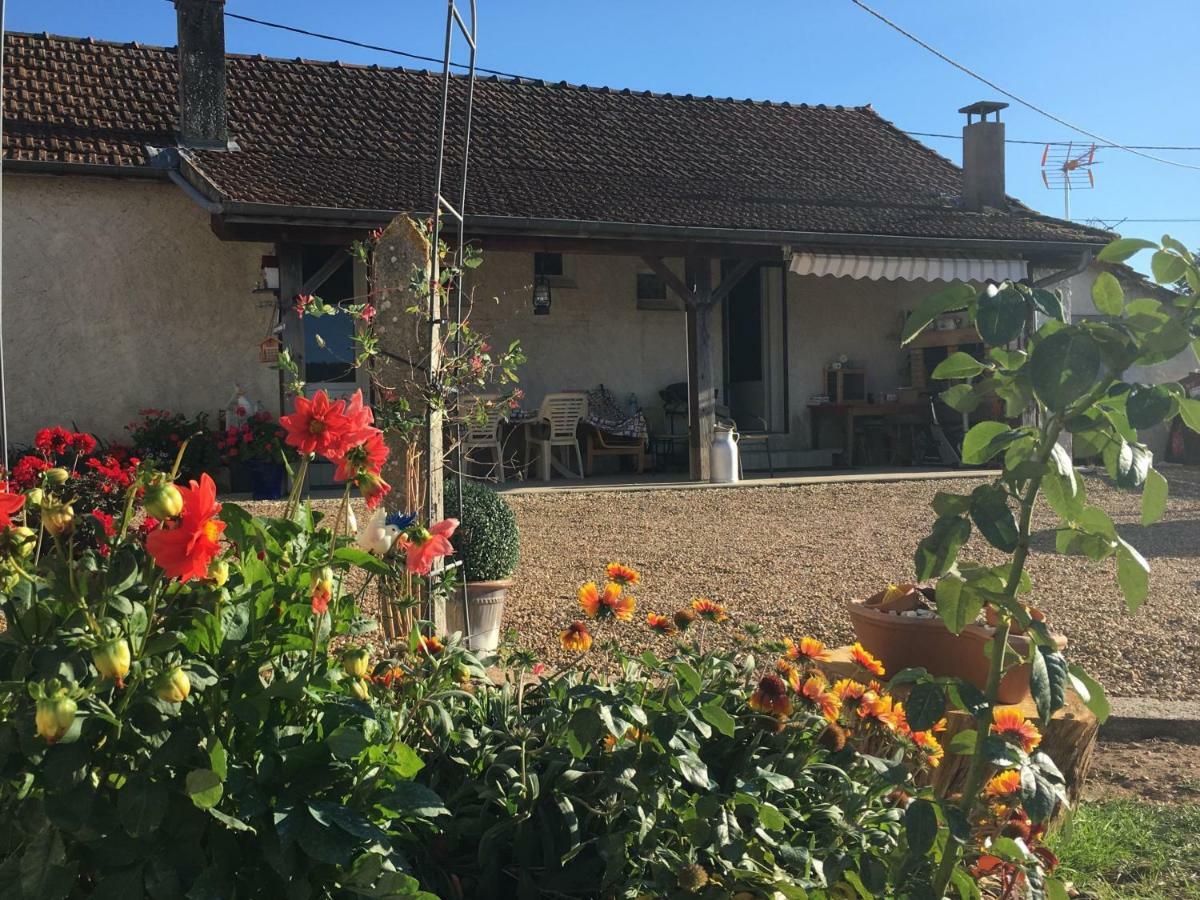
[(788, 557)]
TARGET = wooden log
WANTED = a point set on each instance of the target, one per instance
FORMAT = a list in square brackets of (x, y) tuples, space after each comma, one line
[(1069, 739)]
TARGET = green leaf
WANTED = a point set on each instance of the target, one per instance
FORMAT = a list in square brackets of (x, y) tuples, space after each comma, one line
[(994, 518), (926, 704), (688, 676), (1063, 490), (1064, 367), (920, 824), (1001, 317), (1055, 890), (961, 398), (141, 805), (1090, 691), (204, 787), (1008, 359), (1133, 574), (692, 769), (957, 365), (985, 440), (1123, 248), (1147, 405), (1166, 267), (957, 296), (1154, 497), (963, 743), (1189, 411), (945, 504), (414, 800), (1050, 302), (936, 554), (716, 716), (1128, 463), (1107, 294), (363, 560), (957, 604)]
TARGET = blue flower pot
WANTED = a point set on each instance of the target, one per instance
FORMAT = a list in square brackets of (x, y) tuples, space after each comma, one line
[(266, 480)]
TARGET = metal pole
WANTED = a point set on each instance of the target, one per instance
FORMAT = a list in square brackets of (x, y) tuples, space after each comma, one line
[(3, 382)]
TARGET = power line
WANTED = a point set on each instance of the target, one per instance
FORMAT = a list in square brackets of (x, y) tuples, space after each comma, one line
[(1119, 219), (958, 137), (1037, 109)]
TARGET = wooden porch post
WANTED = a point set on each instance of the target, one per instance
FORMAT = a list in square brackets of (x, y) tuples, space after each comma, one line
[(291, 284), (701, 397)]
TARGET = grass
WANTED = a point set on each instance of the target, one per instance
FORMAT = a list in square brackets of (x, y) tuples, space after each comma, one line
[(1133, 850)]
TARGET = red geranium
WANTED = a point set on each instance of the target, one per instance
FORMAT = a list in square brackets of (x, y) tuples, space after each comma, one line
[(184, 549), (28, 470), (319, 425)]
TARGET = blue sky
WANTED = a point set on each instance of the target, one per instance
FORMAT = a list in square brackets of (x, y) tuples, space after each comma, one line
[(1123, 70)]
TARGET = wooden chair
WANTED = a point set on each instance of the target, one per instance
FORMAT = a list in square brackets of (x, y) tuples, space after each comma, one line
[(559, 416), (485, 435), (601, 444)]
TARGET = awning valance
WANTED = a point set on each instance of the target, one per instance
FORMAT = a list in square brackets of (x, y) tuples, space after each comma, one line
[(907, 268)]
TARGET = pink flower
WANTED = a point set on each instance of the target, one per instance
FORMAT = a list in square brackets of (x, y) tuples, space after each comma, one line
[(368, 313), (422, 547)]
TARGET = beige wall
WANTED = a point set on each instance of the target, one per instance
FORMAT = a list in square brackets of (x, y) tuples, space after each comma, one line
[(595, 334), (117, 296)]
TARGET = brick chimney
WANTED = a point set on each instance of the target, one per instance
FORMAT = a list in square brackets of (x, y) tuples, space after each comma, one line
[(202, 119), (983, 156)]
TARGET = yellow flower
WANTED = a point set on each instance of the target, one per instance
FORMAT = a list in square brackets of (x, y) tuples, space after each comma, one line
[(622, 574), (576, 637), (860, 655), (709, 611), (1009, 721)]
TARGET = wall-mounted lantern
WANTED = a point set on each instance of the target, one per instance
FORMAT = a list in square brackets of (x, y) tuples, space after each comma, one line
[(541, 296)]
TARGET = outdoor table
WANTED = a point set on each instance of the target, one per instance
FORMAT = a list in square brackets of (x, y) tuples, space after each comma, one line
[(848, 412)]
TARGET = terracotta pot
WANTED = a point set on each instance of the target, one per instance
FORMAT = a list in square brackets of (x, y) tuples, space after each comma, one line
[(903, 643), (485, 604)]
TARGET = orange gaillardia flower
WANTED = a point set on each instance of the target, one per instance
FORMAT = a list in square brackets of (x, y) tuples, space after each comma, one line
[(930, 746), (771, 697), (1003, 785), (185, 547), (659, 623), (622, 574), (576, 637), (881, 709), (610, 601), (816, 690), (430, 646), (709, 611), (808, 648), (788, 673), (1009, 721), (860, 655), (848, 690)]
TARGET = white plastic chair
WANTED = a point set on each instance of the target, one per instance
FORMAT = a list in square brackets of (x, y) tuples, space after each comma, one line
[(485, 435), (560, 415)]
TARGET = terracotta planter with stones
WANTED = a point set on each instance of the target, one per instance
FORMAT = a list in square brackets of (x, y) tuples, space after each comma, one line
[(901, 642), (485, 605)]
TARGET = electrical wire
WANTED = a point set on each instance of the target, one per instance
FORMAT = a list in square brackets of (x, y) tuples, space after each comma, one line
[(958, 137), (1021, 100)]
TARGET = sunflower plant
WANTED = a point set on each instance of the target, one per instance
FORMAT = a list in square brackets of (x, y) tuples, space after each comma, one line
[(1058, 379)]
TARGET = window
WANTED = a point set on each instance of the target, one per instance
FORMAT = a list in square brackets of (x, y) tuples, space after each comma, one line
[(652, 293), (548, 264)]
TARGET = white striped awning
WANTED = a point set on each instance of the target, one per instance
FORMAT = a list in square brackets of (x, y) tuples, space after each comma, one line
[(907, 268)]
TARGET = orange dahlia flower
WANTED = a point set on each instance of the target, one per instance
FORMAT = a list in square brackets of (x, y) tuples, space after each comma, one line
[(185, 547), (860, 655), (1009, 721), (622, 574), (709, 611), (771, 697), (576, 637)]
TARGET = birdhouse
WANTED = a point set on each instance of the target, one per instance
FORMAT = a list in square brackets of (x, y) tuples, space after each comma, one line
[(268, 350)]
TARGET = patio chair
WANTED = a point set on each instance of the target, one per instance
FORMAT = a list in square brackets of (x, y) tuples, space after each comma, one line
[(485, 435), (559, 416), (613, 431), (760, 436)]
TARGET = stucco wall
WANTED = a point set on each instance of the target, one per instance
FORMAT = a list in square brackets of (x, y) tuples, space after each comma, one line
[(594, 334), (117, 296), (828, 317)]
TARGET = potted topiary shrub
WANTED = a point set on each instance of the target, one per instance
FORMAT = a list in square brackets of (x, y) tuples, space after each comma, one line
[(486, 542)]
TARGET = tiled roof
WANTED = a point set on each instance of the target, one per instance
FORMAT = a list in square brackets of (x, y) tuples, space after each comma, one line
[(332, 135)]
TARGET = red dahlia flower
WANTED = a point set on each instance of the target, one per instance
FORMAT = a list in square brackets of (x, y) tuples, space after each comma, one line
[(319, 425), (185, 548), (422, 547), (9, 504)]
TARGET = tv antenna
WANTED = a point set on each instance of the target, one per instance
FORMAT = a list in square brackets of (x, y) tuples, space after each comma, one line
[(1068, 167)]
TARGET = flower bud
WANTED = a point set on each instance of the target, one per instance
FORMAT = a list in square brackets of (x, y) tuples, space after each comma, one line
[(218, 572), (18, 540), (360, 689), (463, 673), (684, 619), (57, 519), (112, 660), (173, 686), (35, 496), (163, 501), (57, 475), (355, 662), (693, 878), (54, 717)]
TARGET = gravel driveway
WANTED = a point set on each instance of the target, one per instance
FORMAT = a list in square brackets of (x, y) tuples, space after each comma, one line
[(788, 557)]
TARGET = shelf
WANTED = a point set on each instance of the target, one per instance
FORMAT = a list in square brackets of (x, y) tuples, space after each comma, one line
[(953, 338)]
